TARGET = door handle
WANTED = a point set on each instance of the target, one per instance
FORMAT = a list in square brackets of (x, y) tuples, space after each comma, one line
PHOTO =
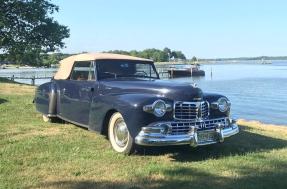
[(63, 91), (88, 89)]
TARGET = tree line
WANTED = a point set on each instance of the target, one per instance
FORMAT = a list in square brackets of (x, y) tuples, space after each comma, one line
[(38, 60), (45, 59), (156, 55)]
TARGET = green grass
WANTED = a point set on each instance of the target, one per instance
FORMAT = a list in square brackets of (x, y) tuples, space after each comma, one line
[(34, 154)]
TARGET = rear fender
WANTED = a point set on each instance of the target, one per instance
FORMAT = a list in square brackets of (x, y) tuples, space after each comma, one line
[(46, 99)]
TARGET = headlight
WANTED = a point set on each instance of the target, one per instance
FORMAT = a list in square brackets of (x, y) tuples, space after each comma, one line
[(223, 104), (158, 108)]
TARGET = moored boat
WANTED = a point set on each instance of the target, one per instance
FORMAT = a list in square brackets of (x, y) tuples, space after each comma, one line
[(185, 71)]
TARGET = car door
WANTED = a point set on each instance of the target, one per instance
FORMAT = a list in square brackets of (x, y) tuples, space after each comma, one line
[(77, 92)]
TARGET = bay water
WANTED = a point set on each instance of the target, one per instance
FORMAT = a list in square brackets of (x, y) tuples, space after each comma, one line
[(256, 91)]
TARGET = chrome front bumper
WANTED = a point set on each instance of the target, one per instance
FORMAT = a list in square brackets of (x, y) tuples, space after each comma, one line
[(147, 137)]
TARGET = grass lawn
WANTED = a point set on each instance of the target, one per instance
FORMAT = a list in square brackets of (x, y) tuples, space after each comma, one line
[(34, 154)]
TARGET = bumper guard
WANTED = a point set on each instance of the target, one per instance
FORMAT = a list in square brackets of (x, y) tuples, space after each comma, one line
[(158, 135)]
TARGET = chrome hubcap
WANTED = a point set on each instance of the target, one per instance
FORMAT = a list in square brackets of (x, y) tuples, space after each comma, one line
[(121, 133)]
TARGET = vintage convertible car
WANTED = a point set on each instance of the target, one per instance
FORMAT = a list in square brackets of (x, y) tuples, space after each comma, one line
[(123, 98)]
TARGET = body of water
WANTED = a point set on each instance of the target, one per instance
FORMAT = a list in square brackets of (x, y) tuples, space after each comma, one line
[(28, 73), (256, 91)]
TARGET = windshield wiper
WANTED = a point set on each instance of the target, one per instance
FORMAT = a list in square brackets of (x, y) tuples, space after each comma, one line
[(140, 76)]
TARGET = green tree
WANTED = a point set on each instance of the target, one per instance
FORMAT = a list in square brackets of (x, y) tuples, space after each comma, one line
[(119, 52), (154, 54), (27, 29), (134, 53), (178, 55), (194, 59), (167, 51), (50, 59), (54, 58), (174, 55)]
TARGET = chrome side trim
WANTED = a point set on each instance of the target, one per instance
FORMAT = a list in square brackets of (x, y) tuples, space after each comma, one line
[(52, 109), (73, 122)]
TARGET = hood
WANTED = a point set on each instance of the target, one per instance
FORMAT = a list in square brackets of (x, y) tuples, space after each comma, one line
[(162, 88)]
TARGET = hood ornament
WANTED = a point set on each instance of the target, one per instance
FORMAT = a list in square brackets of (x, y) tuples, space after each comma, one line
[(194, 85)]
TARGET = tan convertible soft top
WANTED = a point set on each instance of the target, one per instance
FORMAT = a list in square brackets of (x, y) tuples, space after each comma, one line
[(66, 65)]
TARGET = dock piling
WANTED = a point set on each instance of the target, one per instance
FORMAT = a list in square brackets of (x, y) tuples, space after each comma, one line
[(33, 80)]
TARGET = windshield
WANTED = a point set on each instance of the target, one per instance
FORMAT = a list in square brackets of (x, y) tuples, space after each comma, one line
[(113, 69)]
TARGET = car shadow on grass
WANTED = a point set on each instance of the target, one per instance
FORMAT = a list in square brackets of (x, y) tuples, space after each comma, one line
[(240, 144), (88, 184), (184, 177), (3, 100)]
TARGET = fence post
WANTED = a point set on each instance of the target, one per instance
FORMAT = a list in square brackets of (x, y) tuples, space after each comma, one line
[(191, 71), (33, 80)]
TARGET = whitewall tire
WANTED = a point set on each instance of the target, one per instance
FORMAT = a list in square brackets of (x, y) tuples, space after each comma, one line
[(119, 135), (49, 119), (46, 118)]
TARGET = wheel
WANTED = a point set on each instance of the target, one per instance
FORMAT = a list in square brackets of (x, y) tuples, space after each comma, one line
[(49, 119), (119, 135)]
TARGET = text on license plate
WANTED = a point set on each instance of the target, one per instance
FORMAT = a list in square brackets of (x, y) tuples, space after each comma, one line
[(206, 136)]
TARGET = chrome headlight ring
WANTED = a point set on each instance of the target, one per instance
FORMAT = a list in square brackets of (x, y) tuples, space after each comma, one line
[(222, 104), (158, 108)]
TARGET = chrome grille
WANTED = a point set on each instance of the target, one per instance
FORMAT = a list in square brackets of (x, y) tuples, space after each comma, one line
[(191, 110), (181, 128), (204, 109)]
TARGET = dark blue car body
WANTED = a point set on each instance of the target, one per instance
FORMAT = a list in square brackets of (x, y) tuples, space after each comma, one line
[(90, 103)]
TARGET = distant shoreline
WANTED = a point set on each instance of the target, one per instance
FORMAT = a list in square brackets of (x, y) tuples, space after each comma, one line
[(219, 62), (200, 61)]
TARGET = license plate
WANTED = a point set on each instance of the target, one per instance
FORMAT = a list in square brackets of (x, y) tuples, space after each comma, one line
[(206, 136)]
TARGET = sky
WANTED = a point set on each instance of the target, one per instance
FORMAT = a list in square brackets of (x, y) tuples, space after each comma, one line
[(201, 28)]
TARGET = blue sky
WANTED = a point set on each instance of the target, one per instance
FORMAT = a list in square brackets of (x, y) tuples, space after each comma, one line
[(202, 28)]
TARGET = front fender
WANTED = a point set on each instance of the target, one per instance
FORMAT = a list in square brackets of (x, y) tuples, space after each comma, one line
[(212, 97), (131, 108)]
